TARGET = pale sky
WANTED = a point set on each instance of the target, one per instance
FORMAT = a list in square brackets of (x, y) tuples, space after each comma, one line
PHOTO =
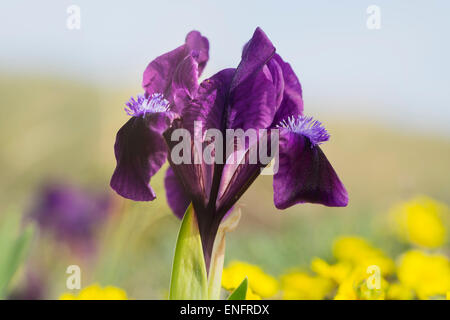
[(399, 74)]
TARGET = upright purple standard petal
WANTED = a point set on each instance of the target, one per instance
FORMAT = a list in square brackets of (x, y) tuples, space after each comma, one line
[(252, 94), (255, 93), (210, 102), (252, 103), (140, 149), (159, 73), (291, 101), (254, 56), (276, 73), (198, 47), (305, 174), (185, 81)]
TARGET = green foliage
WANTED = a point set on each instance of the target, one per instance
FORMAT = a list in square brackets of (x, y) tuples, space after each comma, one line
[(189, 280), (240, 293), (13, 248)]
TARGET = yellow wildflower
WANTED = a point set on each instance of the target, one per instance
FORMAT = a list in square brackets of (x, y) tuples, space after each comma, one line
[(358, 286), (427, 274), (95, 292), (251, 295), (360, 253), (397, 291), (259, 282), (336, 272), (302, 286), (420, 221)]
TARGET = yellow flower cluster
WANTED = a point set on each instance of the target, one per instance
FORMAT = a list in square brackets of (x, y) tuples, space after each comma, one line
[(95, 292), (420, 221), (261, 285), (357, 252), (427, 274), (359, 271), (299, 285), (362, 271)]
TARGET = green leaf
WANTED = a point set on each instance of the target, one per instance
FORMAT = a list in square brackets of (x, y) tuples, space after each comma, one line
[(189, 280), (240, 293), (14, 245)]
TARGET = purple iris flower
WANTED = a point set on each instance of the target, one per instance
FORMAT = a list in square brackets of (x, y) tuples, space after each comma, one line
[(70, 214), (263, 92)]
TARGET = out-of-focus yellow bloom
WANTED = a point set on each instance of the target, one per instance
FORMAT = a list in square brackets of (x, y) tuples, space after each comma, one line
[(420, 221), (302, 286), (259, 282), (427, 274), (337, 272), (356, 287), (95, 292), (448, 295), (360, 253), (397, 291), (251, 295)]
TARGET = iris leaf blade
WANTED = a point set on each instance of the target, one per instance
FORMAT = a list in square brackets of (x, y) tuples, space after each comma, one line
[(240, 293), (12, 258), (189, 279)]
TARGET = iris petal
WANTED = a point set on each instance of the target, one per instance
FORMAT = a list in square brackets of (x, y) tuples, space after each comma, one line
[(159, 73), (140, 152), (198, 47), (252, 93), (254, 56), (185, 81), (292, 101), (276, 73), (252, 102), (187, 170), (177, 198), (209, 105), (237, 176), (207, 109), (305, 175)]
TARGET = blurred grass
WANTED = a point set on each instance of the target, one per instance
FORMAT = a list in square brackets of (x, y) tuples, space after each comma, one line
[(59, 129)]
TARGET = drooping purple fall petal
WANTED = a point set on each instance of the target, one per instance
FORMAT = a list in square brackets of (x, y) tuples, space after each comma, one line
[(305, 174), (140, 152)]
